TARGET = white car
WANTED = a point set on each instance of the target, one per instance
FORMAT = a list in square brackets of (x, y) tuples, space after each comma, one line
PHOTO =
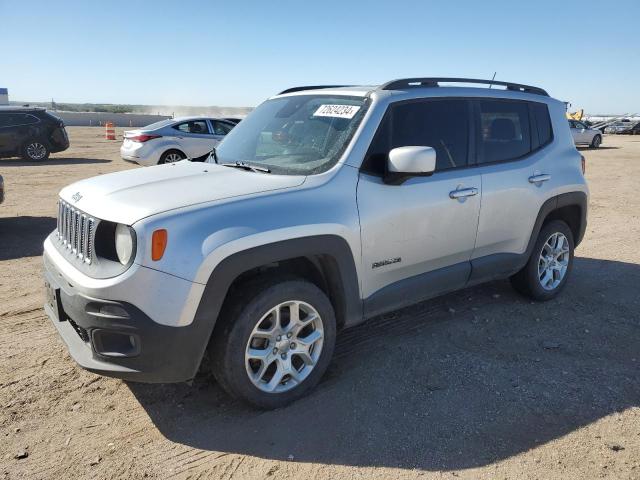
[(583, 135), (173, 140)]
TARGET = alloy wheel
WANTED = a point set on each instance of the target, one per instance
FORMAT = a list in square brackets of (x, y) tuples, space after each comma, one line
[(36, 151), (553, 261), (172, 157), (284, 347)]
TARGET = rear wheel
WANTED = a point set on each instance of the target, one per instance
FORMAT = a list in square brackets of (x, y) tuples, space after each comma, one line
[(275, 343), (35, 151), (171, 156), (550, 264), (597, 140)]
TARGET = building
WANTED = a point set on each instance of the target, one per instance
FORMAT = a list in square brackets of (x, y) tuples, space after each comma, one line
[(4, 96)]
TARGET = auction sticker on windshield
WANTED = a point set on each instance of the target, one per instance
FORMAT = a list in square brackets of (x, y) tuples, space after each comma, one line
[(340, 111)]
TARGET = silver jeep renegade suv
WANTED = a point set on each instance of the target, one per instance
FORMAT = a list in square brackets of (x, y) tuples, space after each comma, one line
[(324, 207)]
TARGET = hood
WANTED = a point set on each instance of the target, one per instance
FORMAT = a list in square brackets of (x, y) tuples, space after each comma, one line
[(131, 195)]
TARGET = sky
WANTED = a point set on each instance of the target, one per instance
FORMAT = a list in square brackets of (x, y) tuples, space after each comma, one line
[(238, 53)]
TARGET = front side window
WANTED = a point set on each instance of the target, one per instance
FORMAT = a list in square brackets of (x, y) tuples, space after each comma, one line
[(440, 124), (297, 135), (221, 128), (504, 130)]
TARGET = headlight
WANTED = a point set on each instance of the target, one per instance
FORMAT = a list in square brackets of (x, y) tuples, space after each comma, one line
[(124, 243)]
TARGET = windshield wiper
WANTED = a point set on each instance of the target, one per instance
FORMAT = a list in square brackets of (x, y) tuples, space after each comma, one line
[(246, 166)]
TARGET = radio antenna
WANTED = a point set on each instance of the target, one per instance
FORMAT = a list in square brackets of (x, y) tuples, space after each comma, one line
[(492, 79)]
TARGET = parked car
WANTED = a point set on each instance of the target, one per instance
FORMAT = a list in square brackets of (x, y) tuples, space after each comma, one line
[(583, 135), (633, 130), (1, 189), (321, 209), (30, 132), (623, 127), (173, 140)]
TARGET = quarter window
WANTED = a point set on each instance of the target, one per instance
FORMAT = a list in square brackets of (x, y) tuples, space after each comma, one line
[(440, 124), (504, 130), (540, 113)]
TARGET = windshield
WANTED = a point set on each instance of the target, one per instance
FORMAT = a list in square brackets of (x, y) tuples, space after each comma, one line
[(298, 135)]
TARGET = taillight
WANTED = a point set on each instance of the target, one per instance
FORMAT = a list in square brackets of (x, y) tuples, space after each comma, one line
[(584, 164), (143, 138)]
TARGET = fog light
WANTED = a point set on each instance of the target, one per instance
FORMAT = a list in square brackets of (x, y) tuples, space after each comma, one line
[(115, 344)]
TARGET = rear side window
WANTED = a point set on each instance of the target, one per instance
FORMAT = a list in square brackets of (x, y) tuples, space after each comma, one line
[(441, 124), (504, 130), (15, 119), (540, 114), (195, 126)]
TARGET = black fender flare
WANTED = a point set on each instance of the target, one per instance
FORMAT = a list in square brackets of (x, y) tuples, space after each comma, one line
[(503, 265), (223, 275), (578, 199)]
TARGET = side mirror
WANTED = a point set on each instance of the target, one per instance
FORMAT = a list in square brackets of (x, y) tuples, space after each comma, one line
[(406, 162)]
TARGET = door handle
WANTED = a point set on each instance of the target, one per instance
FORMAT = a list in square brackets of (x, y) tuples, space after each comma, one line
[(544, 177), (463, 192)]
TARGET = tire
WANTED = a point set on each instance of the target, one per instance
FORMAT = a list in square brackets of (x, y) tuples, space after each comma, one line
[(596, 141), (35, 151), (247, 320), (171, 156), (529, 281)]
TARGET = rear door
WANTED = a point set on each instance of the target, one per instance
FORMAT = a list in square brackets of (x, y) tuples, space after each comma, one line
[(417, 238), (513, 158), (195, 137)]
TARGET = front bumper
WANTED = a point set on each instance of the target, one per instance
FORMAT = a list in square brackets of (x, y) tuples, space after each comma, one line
[(59, 140), (117, 339)]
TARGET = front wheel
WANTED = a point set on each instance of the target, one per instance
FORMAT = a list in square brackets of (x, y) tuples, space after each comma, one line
[(35, 151), (275, 342), (597, 140), (550, 264)]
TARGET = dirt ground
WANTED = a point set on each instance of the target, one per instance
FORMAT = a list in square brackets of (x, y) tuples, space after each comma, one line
[(477, 384)]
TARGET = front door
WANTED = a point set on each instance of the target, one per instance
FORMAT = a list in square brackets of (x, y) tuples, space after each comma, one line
[(195, 138), (418, 237)]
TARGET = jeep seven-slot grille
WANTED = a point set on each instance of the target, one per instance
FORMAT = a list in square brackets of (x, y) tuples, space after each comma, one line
[(75, 231)]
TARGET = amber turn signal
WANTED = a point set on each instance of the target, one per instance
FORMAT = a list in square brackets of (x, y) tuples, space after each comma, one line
[(158, 244)]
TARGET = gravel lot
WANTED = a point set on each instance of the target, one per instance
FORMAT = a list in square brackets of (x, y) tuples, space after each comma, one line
[(477, 384)]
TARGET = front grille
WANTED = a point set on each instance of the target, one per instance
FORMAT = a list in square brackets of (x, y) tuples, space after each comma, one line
[(75, 231)]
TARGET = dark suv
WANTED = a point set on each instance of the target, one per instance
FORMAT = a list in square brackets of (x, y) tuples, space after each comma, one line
[(30, 132)]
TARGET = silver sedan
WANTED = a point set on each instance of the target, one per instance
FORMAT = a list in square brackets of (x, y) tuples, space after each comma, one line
[(173, 140), (583, 135)]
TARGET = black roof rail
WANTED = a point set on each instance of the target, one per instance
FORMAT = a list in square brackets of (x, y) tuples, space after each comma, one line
[(311, 87), (435, 82)]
